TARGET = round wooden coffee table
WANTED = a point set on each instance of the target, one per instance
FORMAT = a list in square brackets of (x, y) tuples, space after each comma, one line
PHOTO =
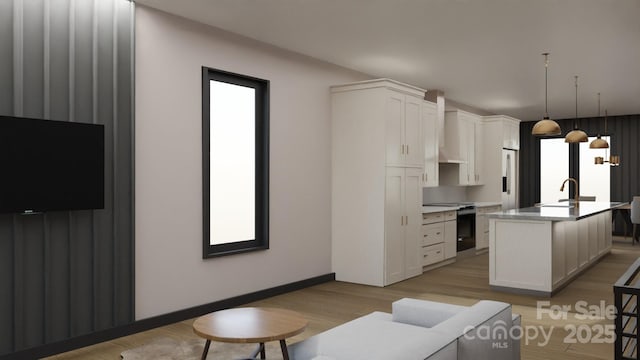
[(250, 325)]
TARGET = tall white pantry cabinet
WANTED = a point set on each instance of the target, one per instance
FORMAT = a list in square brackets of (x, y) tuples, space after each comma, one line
[(380, 162)]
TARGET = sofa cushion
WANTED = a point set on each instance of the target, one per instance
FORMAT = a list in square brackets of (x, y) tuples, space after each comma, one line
[(423, 312), (376, 337)]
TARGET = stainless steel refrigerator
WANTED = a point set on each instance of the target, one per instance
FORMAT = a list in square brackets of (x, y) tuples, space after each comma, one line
[(509, 179)]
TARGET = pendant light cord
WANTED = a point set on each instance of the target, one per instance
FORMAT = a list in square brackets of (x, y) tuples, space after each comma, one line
[(546, 66), (575, 122)]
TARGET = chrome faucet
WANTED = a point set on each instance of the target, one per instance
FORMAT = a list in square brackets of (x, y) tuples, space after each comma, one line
[(576, 193)]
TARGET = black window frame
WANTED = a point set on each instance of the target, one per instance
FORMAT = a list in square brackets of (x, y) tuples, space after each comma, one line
[(261, 86)]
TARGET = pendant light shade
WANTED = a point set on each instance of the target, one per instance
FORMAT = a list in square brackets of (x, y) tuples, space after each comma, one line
[(576, 135), (546, 126), (600, 143)]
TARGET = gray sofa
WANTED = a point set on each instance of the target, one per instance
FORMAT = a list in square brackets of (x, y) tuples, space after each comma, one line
[(420, 329)]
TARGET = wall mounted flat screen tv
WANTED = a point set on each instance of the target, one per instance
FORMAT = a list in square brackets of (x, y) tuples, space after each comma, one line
[(48, 165)]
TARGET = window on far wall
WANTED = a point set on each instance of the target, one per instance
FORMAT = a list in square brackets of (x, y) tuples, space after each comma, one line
[(235, 163), (554, 168), (595, 180), (555, 161)]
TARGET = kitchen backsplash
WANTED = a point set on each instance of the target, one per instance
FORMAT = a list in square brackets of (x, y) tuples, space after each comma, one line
[(444, 194)]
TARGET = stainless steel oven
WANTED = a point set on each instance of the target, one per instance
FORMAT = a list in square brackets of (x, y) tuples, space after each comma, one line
[(466, 228)]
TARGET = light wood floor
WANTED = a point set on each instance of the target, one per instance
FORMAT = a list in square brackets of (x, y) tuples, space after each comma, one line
[(463, 283)]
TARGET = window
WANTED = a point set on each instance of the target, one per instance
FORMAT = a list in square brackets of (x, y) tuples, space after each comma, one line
[(595, 180), (235, 163), (554, 168)]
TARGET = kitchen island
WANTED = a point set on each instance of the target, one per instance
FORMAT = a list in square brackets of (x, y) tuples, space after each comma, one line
[(538, 250)]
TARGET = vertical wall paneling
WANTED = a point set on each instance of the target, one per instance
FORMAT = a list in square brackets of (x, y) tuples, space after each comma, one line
[(69, 273), (17, 57), (6, 58), (7, 236)]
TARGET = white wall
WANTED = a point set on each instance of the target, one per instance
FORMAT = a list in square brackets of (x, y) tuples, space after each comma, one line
[(170, 272)]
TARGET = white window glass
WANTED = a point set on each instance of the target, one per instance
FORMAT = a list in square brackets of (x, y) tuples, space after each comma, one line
[(232, 163), (595, 179), (554, 169)]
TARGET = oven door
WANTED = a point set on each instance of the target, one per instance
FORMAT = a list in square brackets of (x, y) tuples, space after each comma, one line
[(466, 230)]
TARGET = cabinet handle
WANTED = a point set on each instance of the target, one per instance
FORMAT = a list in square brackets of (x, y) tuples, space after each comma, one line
[(406, 220), (407, 149), (438, 233), (402, 148), (401, 220), (438, 252)]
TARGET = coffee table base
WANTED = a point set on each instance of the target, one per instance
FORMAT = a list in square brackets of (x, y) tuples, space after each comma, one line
[(260, 350)]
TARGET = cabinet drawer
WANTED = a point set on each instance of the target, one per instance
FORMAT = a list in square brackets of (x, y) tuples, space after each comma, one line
[(488, 209), (450, 215), (431, 218), (432, 234), (432, 254)]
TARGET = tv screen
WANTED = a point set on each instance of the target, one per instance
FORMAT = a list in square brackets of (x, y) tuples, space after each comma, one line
[(48, 165)]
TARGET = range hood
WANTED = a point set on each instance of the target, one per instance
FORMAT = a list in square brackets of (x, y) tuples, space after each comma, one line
[(444, 153)]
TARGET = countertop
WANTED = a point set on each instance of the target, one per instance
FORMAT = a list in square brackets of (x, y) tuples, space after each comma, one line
[(435, 209), (557, 211), (486, 203)]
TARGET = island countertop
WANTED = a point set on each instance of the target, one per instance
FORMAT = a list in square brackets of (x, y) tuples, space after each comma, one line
[(562, 211)]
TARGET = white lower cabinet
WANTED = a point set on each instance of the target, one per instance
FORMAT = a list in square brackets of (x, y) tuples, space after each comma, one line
[(402, 224), (438, 237), (482, 225)]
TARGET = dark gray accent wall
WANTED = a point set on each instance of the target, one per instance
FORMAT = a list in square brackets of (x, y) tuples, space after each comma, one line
[(69, 273), (624, 131)]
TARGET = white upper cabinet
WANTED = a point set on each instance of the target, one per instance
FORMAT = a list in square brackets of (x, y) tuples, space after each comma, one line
[(510, 133), (403, 129), (463, 134), (430, 138)]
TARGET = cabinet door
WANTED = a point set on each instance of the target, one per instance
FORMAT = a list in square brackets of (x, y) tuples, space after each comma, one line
[(478, 153), (515, 136), (394, 128), (507, 142), (413, 222), (430, 139), (471, 151), (413, 150), (481, 220), (450, 234), (394, 226), (464, 150)]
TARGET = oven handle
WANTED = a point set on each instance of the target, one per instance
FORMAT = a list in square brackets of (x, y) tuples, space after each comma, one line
[(467, 212)]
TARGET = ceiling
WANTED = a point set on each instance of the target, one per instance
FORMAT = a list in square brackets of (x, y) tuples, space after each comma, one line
[(482, 53)]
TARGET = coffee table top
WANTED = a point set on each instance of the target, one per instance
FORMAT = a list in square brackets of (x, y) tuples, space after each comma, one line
[(249, 325)]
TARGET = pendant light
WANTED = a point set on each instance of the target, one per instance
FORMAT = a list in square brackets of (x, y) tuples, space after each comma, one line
[(546, 126), (576, 135), (613, 160), (600, 143)]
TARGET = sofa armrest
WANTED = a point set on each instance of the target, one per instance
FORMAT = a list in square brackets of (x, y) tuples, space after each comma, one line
[(482, 331), (422, 312)]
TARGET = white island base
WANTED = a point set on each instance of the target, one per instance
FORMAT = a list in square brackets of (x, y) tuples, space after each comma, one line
[(539, 257)]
